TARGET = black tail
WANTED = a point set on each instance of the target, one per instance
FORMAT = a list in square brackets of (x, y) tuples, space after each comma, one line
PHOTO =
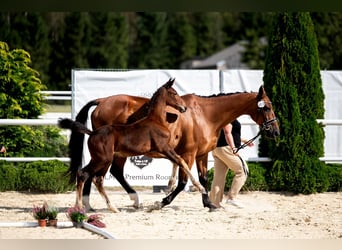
[(76, 142), (67, 123)]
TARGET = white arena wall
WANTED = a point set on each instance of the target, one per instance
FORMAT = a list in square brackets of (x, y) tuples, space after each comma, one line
[(90, 84)]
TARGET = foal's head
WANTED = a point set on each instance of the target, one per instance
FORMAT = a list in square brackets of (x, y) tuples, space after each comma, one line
[(166, 95), (265, 116)]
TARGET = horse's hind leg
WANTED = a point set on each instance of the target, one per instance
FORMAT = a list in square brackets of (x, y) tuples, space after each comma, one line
[(86, 195), (98, 181), (82, 176)]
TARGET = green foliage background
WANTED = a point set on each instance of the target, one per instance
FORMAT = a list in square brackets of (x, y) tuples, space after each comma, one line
[(61, 41)]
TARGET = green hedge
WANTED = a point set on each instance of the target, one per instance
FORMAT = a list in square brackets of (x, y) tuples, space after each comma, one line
[(50, 176), (335, 177), (39, 176), (258, 178)]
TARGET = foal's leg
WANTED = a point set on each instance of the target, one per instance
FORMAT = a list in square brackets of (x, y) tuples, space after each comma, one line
[(98, 181), (172, 181), (86, 195), (82, 176), (180, 161)]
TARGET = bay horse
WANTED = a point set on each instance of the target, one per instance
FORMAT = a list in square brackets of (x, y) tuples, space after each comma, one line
[(198, 130), (148, 135)]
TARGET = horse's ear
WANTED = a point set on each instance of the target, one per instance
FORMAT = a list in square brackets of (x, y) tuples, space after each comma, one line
[(169, 83), (261, 92)]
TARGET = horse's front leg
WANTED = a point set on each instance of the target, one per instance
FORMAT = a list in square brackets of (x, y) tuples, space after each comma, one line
[(117, 170), (202, 166)]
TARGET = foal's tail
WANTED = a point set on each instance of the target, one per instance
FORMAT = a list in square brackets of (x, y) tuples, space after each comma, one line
[(76, 141), (74, 126)]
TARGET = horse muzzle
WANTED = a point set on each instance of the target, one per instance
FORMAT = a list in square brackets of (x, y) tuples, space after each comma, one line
[(182, 109), (271, 128)]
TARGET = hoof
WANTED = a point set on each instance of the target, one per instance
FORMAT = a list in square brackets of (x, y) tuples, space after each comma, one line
[(139, 206), (203, 191), (90, 210), (156, 206), (169, 190), (114, 210)]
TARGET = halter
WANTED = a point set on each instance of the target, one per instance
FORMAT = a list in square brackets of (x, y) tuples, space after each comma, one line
[(264, 126)]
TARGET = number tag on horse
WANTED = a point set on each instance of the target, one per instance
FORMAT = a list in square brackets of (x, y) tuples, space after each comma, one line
[(261, 104)]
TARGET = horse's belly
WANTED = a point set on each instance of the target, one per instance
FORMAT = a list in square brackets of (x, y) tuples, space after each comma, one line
[(155, 155)]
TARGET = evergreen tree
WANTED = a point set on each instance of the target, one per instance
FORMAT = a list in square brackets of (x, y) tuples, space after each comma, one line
[(70, 46), (108, 48), (149, 47), (292, 80), (209, 38), (181, 40), (231, 27), (329, 36), (57, 56), (256, 26), (28, 31)]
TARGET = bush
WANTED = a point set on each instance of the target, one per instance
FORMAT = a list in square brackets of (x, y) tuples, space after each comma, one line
[(39, 176), (256, 180), (8, 176), (259, 178), (34, 141), (335, 177)]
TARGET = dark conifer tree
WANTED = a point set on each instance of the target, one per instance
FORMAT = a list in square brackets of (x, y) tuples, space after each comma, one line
[(28, 31), (70, 45), (109, 43), (181, 40), (292, 80), (206, 34), (329, 36), (149, 47)]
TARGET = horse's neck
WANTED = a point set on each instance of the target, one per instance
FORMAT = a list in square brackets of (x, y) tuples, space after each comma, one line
[(226, 108), (157, 113)]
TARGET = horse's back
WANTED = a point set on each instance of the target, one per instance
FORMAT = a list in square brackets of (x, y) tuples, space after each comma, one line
[(116, 109)]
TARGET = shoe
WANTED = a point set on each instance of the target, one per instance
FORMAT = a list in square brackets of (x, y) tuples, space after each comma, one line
[(235, 203), (220, 208)]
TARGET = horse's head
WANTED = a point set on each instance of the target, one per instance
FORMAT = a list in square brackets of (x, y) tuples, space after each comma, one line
[(171, 96), (264, 115)]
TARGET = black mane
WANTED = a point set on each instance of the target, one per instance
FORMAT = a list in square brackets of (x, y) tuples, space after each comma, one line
[(221, 94)]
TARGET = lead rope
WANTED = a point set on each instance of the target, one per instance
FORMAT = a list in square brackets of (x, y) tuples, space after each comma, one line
[(246, 143)]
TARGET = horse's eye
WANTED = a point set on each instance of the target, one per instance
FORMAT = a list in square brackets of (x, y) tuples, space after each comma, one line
[(266, 109)]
